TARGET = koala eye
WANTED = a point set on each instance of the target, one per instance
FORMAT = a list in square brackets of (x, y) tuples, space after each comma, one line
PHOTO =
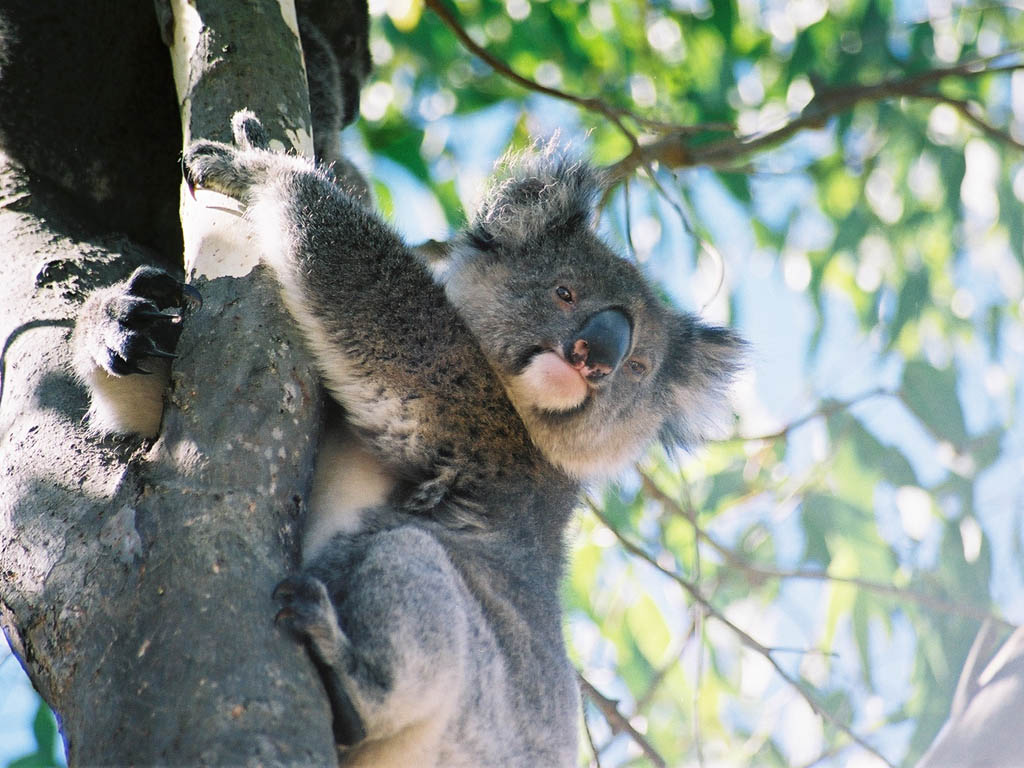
[(636, 367), (565, 294)]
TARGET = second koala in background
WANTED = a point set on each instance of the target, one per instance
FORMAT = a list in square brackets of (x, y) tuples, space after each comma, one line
[(478, 404)]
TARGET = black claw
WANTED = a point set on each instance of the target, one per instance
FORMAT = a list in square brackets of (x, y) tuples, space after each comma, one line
[(128, 367), (189, 180), (146, 318), (285, 590), (155, 351), (193, 299), (145, 313)]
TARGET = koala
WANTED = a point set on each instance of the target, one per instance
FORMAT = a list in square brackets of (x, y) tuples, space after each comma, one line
[(479, 396)]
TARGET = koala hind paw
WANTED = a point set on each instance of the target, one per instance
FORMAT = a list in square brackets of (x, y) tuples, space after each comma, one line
[(306, 609), (309, 613), (230, 170)]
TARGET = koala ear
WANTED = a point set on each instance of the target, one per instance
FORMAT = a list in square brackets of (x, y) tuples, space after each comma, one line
[(536, 192), (702, 362)]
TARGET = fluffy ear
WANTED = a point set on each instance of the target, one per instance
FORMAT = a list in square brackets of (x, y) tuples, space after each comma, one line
[(535, 192), (702, 362)]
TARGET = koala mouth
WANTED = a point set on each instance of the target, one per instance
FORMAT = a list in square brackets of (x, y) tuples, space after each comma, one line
[(549, 383)]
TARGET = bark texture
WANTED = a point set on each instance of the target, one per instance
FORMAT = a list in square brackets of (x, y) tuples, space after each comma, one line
[(135, 577)]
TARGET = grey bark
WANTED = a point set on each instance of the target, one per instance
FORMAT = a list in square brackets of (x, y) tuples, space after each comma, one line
[(135, 577)]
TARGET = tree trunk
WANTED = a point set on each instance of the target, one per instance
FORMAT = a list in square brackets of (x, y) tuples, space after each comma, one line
[(135, 577)]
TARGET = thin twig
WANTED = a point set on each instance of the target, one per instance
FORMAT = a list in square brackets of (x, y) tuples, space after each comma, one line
[(629, 218), (830, 408), (644, 699), (596, 762), (698, 741), (968, 110), (618, 722), (738, 562)]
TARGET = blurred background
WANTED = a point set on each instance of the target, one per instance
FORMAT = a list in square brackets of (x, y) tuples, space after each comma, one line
[(843, 182)]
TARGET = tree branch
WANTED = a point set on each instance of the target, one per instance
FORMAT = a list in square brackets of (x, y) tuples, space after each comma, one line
[(676, 151), (738, 562), (137, 574), (590, 104), (615, 114)]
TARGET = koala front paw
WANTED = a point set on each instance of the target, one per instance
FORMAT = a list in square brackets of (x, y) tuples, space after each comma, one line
[(232, 171), (215, 166), (308, 612), (138, 319)]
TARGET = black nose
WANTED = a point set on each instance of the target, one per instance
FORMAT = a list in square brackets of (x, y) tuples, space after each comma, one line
[(600, 346)]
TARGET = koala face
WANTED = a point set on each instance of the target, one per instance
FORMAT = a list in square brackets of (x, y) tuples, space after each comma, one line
[(595, 364)]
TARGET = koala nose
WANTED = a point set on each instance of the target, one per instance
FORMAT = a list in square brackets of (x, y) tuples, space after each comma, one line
[(600, 346)]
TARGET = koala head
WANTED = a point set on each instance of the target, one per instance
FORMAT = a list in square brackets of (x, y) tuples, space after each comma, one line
[(595, 364)]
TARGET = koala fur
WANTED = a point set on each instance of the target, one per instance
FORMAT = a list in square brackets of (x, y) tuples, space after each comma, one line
[(476, 404)]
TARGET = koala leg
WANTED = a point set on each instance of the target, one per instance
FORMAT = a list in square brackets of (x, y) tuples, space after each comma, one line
[(123, 341), (385, 618), (308, 608)]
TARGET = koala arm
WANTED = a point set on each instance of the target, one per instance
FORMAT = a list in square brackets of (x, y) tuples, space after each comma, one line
[(391, 348)]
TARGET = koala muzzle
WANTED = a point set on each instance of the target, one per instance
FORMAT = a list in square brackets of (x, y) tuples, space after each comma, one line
[(600, 346)]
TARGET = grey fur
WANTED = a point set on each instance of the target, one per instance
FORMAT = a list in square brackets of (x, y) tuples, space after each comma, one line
[(435, 614)]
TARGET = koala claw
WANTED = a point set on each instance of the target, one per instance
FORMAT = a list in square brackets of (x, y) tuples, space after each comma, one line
[(193, 299), (284, 616), (199, 162)]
